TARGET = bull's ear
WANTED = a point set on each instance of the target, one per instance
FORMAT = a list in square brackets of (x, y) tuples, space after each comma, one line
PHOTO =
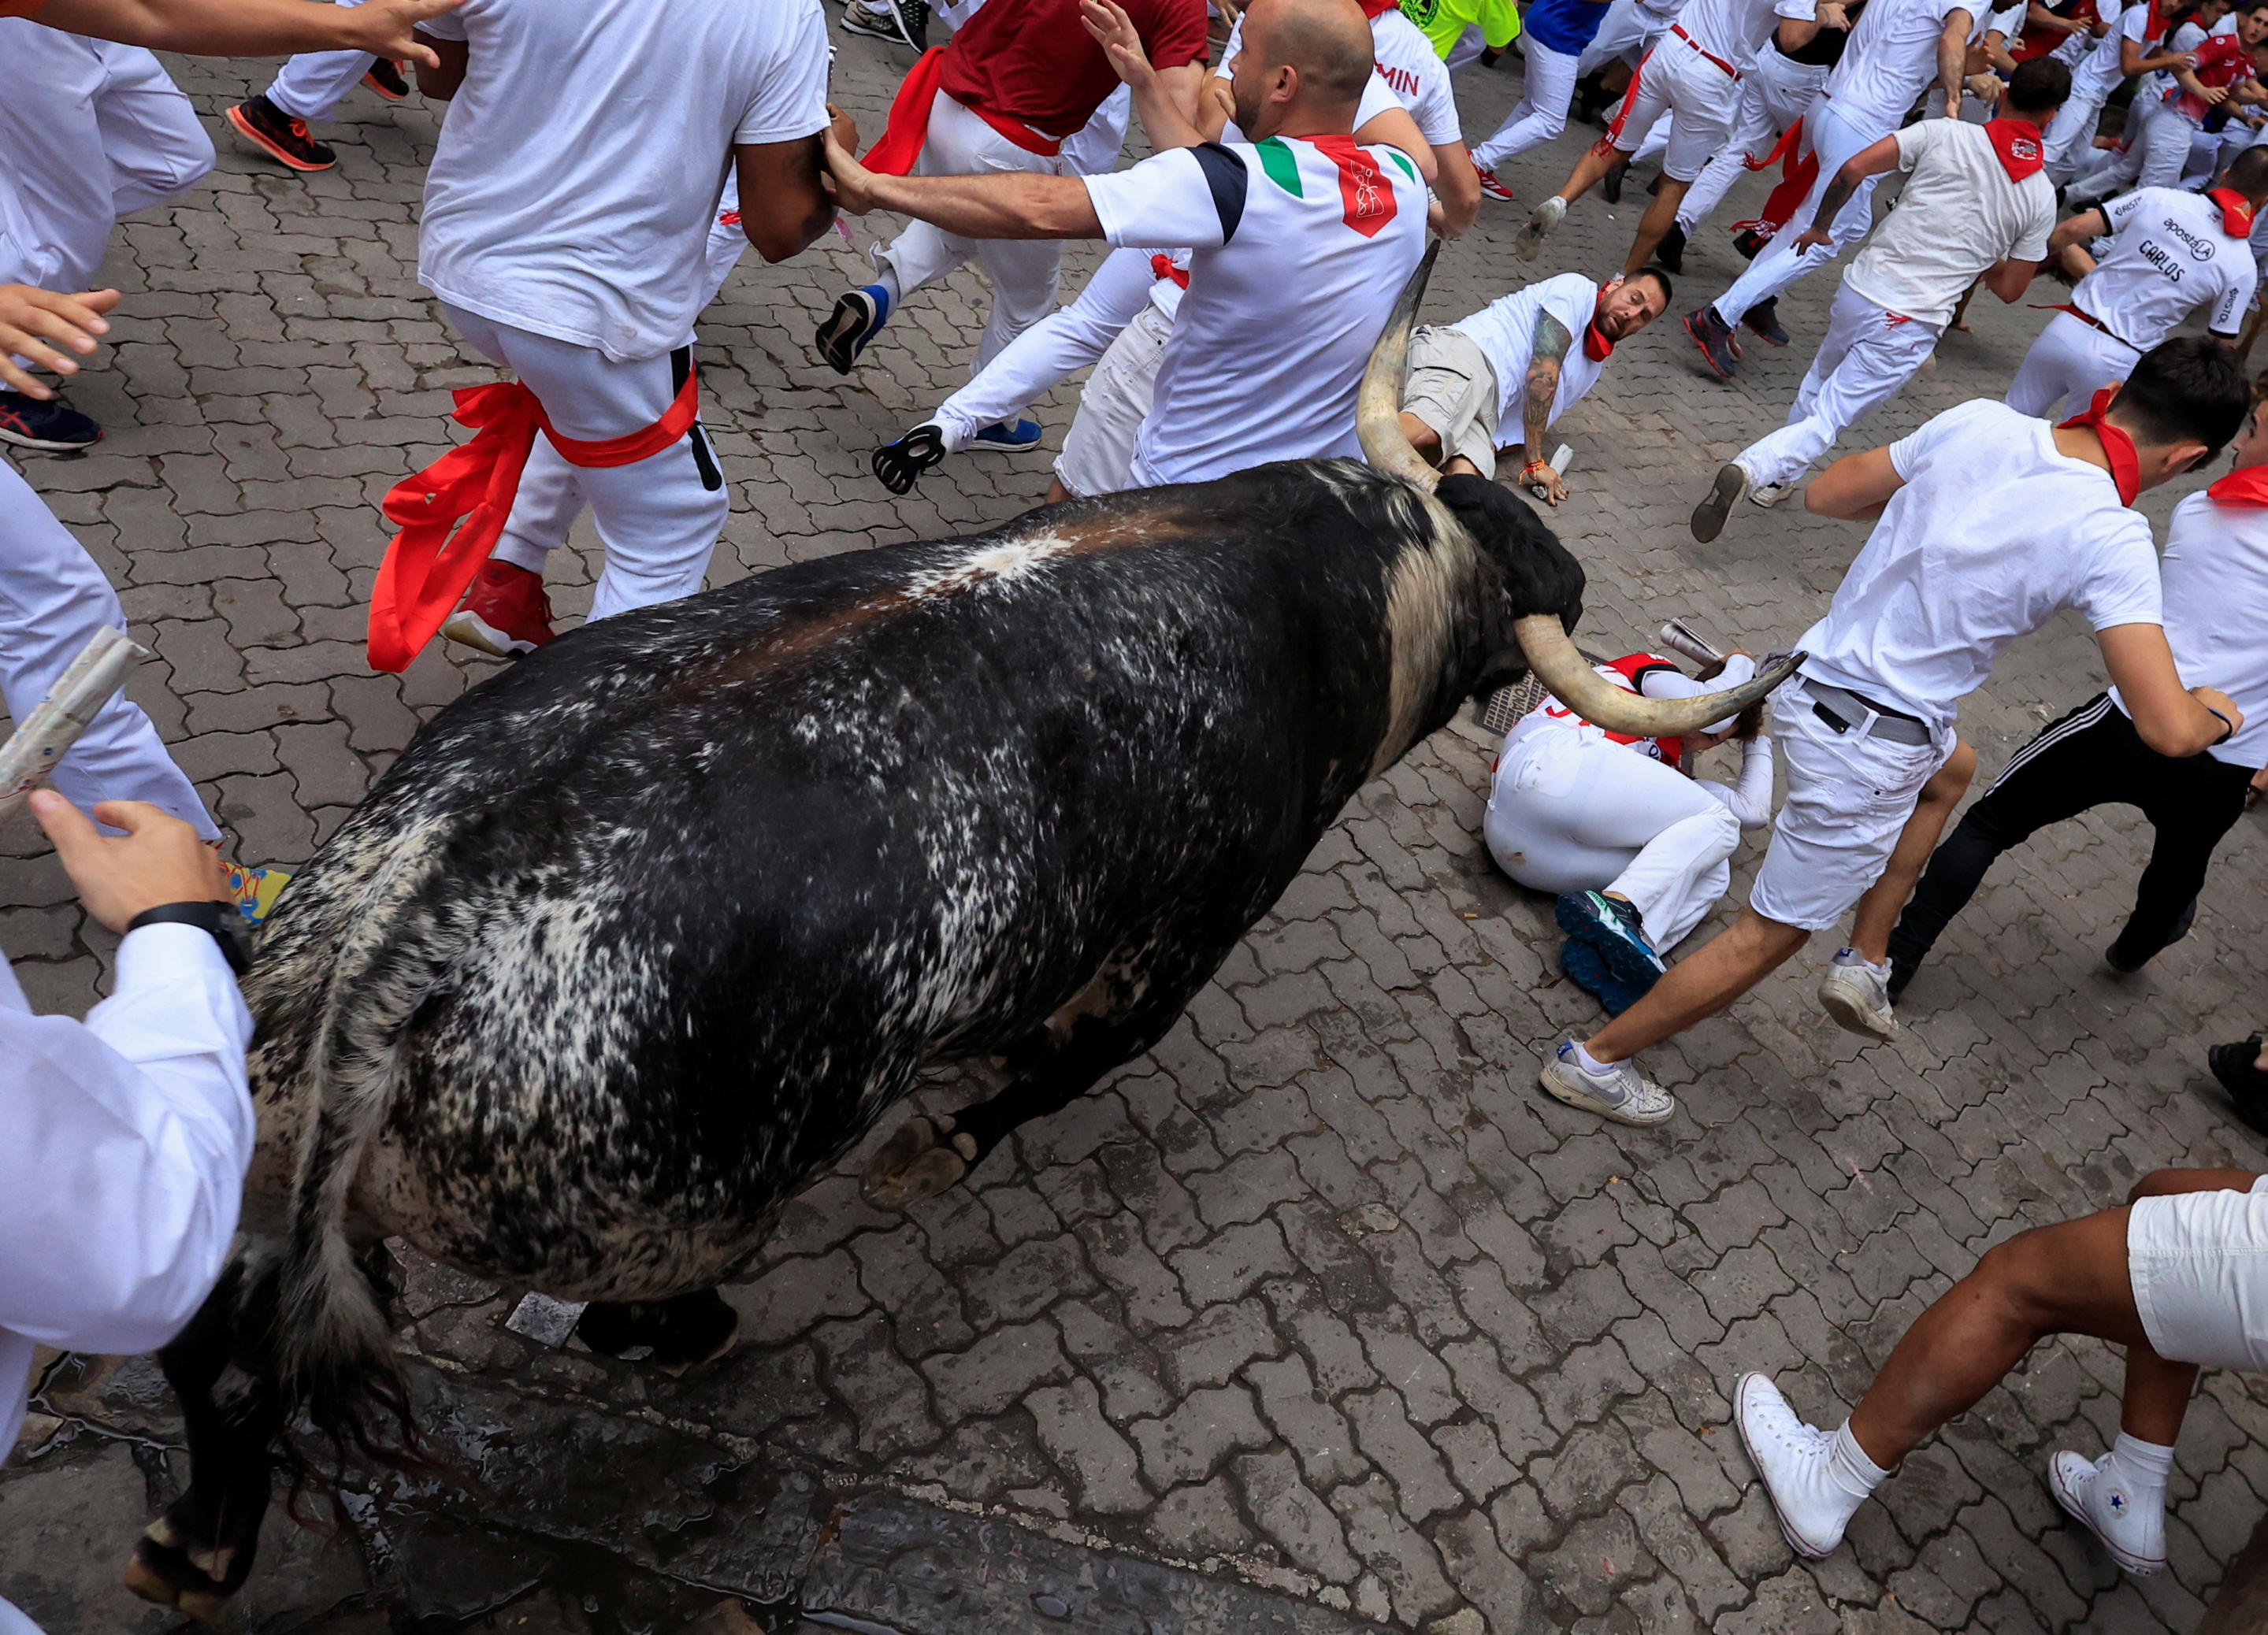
[(1539, 574)]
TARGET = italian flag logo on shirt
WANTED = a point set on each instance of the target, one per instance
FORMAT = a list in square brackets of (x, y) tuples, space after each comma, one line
[(1365, 197)]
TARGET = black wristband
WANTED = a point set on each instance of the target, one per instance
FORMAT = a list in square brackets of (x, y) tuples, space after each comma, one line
[(211, 918)]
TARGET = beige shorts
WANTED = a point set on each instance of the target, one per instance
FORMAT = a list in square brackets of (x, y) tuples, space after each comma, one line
[(2198, 1262), (1453, 389), (1097, 450)]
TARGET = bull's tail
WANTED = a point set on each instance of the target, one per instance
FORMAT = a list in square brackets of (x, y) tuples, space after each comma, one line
[(329, 1346)]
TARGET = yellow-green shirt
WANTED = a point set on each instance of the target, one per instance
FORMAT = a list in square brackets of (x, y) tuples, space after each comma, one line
[(1443, 22)]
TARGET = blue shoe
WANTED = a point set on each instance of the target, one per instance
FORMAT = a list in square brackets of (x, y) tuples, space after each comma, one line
[(1587, 970), (1613, 927), (1000, 435), (45, 423), (857, 317)]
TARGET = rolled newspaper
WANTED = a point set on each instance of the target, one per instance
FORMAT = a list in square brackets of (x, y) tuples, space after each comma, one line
[(45, 736), (1679, 637)]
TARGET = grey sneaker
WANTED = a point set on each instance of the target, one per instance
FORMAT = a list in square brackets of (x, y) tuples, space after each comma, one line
[(1547, 216), (1620, 1093), (1857, 993)]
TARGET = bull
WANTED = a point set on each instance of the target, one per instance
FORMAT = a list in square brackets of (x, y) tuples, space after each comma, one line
[(642, 931)]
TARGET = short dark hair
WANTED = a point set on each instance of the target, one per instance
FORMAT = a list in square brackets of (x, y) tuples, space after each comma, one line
[(2041, 83), (2247, 172), (1669, 290), (2190, 389)]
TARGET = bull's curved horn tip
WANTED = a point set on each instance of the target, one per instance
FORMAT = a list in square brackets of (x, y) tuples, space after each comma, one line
[(1568, 674), (1377, 402)]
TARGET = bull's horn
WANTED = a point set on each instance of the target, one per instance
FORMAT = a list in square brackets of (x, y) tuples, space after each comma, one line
[(1378, 404), (1560, 667)]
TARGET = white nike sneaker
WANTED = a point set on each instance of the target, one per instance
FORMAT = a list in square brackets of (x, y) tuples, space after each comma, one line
[(1769, 492), (1857, 993), (1619, 1092), (2132, 1527), (1547, 216), (1793, 1459)]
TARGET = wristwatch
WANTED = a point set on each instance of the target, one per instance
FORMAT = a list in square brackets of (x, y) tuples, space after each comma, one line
[(217, 920)]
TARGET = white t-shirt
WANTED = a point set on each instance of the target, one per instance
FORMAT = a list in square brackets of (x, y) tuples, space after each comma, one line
[(1994, 532), (1958, 215), (2168, 257), (1431, 105), (1734, 31), (2102, 67), (1504, 329), (1296, 261), (571, 191), (2009, 23), (2215, 575), (1892, 57)]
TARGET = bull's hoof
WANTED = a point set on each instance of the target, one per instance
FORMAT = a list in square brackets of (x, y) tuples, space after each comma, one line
[(162, 1572), (913, 1164), (675, 1333)]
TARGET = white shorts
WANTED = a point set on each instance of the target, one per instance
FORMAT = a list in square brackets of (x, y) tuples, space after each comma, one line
[(1847, 799), (2199, 1266), (1702, 99), (1097, 450)]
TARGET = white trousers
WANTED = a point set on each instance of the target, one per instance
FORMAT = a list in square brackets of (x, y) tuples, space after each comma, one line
[(2068, 363), (550, 496), (1098, 451), (1095, 149), (52, 598), (1778, 264), (1866, 354), (1541, 113), (1022, 270), (2071, 134), (311, 85), (1052, 351), (659, 518), (1774, 92), (1628, 30), (89, 132), (1569, 812), (1699, 99), (2156, 152)]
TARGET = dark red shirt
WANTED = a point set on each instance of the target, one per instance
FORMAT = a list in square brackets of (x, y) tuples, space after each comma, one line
[(2222, 59), (1033, 62)]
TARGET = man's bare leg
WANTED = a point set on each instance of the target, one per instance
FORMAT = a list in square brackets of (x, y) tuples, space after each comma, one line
[(1057, 492), (1879, 909), (1653, 227), (1422, 437), (1700, 986), (1590, 167)]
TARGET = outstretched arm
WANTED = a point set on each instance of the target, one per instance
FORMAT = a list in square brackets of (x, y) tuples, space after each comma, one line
[(1854, 488), (1166, 102), (2009, 280), (2173, 719), (1877, 160), (1546, 354), (1016, 205), (252, 27), (1953, 59)]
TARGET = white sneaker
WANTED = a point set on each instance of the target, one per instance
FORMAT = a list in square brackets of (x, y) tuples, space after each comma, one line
[(1793, 1459), (1547, 216), (1857, 993), (1771, 492), (2132, 1527), (1620, 1092)]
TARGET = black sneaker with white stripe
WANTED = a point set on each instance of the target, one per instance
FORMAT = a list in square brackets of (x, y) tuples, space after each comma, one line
[(48, 423)]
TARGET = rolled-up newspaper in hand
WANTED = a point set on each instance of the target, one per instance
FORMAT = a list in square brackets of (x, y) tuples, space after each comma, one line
[(45, 736)]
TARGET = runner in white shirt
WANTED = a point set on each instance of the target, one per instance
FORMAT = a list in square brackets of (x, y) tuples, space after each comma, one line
[(2215, 580), (1977, 205), (569, 245), (2167, 117), (1692, 76), (2096, 72), (1897, 47), (129, 1134), (1990, 524), (1516, 366), (2171, 252)]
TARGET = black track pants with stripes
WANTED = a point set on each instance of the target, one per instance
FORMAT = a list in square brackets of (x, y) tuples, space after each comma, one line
[(2092, 757)]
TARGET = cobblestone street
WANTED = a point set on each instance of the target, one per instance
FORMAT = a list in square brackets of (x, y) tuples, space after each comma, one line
[(1318, 1317)]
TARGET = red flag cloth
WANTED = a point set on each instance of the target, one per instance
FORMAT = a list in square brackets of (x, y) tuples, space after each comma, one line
[(2247, 485), (1796, 176), (1367, 198), (2021, 148), (2235, 211), (2125, 465), (453, 512)]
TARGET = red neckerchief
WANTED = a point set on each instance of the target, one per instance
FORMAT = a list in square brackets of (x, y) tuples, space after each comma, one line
[(1597, 344), (2235, 211), (2125, 465), (1375, 8), (1365, 196), (2247, 485), (2021, 148), (2155, 28)]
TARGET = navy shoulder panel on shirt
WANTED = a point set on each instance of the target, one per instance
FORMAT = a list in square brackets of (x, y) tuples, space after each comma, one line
[(1226, 174)]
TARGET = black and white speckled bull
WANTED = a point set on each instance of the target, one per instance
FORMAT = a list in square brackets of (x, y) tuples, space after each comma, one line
[(639, 933)]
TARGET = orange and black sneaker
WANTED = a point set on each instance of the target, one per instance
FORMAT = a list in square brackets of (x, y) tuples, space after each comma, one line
[(386, 79), (276, 134)]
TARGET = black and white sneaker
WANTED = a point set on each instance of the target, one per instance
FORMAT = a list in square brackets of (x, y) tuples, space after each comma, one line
[(48, 423), (1731, 485), (901, 22), (857, 317), (899, 465)]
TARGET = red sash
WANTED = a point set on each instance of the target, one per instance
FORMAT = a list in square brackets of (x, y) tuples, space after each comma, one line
[(907, 126), (2125, 465), (2247, 484), (453, 512)]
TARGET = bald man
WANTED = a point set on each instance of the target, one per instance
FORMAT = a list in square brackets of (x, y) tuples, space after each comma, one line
[(1301, 238)]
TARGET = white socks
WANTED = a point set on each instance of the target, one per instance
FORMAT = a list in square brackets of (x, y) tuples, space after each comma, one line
[(1589, 1063), (1850, 1471), (2141, 1467)]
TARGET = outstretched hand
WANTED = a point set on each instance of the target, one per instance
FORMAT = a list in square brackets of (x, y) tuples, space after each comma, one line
[(46, 328), (159, 860), (851, 183), (387, 28), (1121, 41)]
